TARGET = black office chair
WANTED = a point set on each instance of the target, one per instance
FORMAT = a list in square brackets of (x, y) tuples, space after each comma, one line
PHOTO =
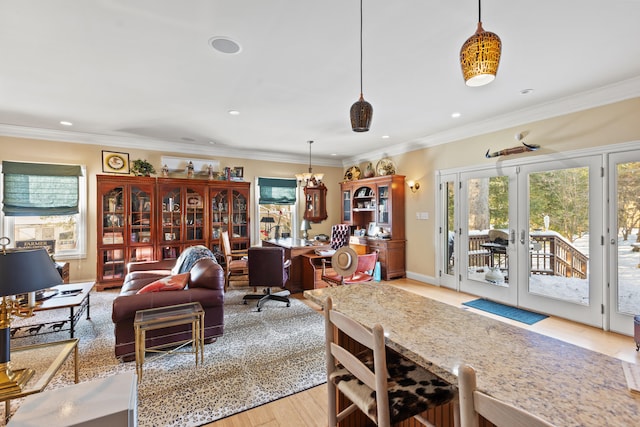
[(267, 267)]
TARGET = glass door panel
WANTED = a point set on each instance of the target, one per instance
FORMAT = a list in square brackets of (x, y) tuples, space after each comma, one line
[(448, 231), (560, 242), (485, 241), (624, 169)]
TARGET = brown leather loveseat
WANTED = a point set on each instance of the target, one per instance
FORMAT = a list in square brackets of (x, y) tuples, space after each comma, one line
[(205, 285)]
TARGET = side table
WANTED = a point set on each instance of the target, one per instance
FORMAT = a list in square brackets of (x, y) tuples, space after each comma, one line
[(45, 359), (165, 317)]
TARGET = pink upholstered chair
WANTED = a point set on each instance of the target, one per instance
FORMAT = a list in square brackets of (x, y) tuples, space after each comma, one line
[(341, 274)]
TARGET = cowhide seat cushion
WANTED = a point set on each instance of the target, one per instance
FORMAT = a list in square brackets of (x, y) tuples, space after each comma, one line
[(412, 389)]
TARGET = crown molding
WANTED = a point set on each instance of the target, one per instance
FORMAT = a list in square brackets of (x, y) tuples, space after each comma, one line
[(604, 95), (609, 94)]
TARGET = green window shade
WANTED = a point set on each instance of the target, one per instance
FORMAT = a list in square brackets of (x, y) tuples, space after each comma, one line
[(274, 191), (38, 189)]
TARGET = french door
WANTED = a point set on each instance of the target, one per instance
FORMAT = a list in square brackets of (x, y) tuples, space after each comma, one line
[(624, 254), (528, 235)]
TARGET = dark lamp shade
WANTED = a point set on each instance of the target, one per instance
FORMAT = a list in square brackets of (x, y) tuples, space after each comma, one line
[(361, 115), (23, 271), (480, 57), (267, 219)]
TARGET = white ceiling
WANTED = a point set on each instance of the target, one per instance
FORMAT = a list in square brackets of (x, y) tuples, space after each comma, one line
[(140, 73)]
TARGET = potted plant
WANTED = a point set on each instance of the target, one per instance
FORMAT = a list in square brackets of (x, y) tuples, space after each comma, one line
[(142, 168)]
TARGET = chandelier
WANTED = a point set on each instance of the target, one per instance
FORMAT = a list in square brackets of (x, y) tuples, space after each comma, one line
[(309, 179)]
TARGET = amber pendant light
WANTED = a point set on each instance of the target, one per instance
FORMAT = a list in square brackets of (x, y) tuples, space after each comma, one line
[(480, 56), (361, 110)]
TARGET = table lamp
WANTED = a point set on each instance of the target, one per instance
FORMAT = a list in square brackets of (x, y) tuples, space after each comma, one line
[(305, 225), (267, 221), (21, 271)]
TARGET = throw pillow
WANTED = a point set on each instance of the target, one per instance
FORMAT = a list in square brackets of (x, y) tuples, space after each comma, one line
[(169, 283)]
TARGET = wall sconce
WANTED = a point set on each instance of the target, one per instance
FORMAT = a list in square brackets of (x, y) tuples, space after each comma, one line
[(413, 186)]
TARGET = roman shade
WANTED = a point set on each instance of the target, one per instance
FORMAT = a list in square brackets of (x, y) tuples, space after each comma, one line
[(39, 189), (274, 191)]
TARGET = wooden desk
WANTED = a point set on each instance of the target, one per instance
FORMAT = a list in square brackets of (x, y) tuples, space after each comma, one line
[(562, 383), (294, 249), (312, 271)]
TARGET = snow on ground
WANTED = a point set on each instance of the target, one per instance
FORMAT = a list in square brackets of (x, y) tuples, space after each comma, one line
[(577, 290)]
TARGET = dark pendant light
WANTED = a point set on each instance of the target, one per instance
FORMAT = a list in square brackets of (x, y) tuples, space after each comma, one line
[(361, 110), (480, 56)]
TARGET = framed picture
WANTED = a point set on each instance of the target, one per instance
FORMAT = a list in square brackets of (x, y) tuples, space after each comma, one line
[(372, 230), (237, 172), (114, 162), (194, 200)]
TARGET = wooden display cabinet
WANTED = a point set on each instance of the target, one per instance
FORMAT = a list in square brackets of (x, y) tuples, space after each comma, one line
[(229, 211), (182, 215), (125, 226), (376, 207), (315, 203), (147, 219)]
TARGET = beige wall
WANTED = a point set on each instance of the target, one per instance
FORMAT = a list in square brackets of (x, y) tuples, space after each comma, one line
[(612, 124), (19, 149)]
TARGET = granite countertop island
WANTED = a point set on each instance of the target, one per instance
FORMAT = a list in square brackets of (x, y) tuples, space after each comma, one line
[(562, 383)]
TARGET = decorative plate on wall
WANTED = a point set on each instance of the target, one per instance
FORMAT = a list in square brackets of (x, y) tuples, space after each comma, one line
[(385, 167), (352, 174)]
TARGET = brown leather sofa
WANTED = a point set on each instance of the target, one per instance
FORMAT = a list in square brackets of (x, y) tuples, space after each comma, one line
[(206, 286)]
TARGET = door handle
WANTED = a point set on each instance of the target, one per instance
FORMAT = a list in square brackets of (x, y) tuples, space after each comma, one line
[(522, 237), (513, 236)]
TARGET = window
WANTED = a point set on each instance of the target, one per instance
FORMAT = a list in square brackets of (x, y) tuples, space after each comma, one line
[(45, 203), (277, 208)]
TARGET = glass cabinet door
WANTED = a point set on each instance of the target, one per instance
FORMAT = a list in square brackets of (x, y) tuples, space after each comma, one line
[(384, 205), (219, 215), (113, 216), (194, 215), (239, 219), (346, 206), (171, 215), (141, 215)]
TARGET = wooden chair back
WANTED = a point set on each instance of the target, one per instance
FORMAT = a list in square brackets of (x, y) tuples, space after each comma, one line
[(337, 354), (474, 403)]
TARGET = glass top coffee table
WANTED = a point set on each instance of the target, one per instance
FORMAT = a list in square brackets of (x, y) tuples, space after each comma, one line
[(165, 317)]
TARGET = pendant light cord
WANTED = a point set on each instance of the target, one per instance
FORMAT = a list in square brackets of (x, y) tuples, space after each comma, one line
[(310, 142), (361, 48), (479, 7)]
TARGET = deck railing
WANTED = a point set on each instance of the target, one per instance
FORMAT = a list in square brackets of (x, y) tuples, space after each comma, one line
[(550, 254)]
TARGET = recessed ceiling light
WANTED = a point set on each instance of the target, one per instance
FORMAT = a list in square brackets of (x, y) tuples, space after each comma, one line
[(224, 45), (333, 154), (526, 91), (385, 136), (65, 123), (187, 139), (212, 142), (234, 112), (455, 115)]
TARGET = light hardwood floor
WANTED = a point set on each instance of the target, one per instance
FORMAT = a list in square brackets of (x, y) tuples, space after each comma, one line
[(308, 408)]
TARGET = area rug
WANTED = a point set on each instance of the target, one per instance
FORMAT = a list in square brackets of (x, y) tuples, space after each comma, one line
[(262, 356), (513, 313)]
